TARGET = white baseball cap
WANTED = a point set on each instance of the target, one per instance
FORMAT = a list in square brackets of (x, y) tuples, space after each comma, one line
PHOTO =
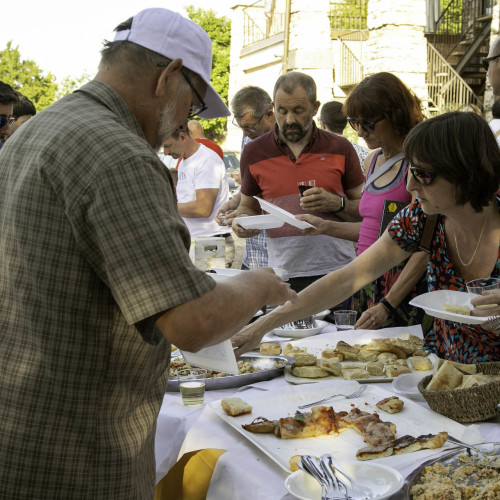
[(173, 36)]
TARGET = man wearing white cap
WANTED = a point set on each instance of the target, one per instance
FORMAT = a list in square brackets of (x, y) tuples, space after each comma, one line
[(96, 281)]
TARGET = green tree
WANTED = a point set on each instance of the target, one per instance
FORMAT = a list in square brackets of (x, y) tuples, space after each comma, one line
[(69, 84), (219, 31), (27, 77)]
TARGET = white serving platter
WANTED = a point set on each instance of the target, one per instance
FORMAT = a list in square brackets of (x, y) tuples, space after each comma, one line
[(407, 385), (414, 420), (282, 214), (259, 222), (432, 303)]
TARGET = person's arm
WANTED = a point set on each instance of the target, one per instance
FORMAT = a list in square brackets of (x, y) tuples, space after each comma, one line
[(221, 312), (376, 315), (343, 230), (225, 214), (327, 291), (346, 208), (203, 206)]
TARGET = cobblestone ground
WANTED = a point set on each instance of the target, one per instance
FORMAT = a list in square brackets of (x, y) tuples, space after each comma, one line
[(239, 244)]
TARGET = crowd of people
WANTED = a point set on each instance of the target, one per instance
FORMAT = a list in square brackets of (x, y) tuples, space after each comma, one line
[(96, 280)]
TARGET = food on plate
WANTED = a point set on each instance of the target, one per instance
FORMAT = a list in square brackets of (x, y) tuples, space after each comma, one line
[(402, 362), (394, 371), (417, 341), (456, 309), (349, 351), (303, 358), (289, 348), (387, 358), (391, 405), (309, 372), (235, 406), (331, 365), (332, 353), (478, 379), (385, 345), (447, 377), (375, 368), (470, 478), (244, 367), (293, 463), (324, 420), (354, 373), (420, 363), (270, 348), (405, 444)]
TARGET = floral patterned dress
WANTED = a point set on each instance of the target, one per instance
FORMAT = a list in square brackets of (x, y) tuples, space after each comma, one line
[(449, 340)]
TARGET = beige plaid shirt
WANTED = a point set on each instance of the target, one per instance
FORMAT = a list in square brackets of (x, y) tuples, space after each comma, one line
[(91, 246)]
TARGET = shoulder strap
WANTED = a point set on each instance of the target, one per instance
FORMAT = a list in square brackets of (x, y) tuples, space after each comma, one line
[(383, 169), (427, 233)]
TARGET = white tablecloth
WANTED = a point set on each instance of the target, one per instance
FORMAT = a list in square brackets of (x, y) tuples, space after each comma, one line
[(243, 468)]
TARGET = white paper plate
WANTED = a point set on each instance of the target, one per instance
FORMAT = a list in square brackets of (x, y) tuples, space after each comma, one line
[(380, 480), (259, 222), (432, 302), (282, 214), (407, 385), (300, 333), (322, 314)]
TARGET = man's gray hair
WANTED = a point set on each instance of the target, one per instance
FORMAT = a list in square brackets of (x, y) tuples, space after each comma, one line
[(253, 100), (290, 81)]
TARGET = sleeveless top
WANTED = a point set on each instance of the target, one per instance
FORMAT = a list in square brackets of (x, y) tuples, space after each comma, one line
[(371, 204)]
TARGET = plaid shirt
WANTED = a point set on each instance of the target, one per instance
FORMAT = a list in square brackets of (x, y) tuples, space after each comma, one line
[(91, 247)]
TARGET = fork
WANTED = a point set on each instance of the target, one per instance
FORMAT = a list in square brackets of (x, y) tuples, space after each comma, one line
[(355, 394), (492, 323)]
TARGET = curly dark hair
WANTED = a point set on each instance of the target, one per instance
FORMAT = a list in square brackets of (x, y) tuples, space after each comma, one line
[(384, 94), (460, 147)]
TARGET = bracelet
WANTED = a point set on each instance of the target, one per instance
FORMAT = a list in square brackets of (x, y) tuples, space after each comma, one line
[(387, 305), (342, 205)]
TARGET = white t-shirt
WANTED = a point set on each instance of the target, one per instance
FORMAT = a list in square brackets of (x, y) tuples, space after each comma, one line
[(202, 170), (495, 126)]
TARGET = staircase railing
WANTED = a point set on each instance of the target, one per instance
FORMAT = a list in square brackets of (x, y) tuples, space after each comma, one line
[(458, 22), (259, 24), (447, 90), (351, 57)]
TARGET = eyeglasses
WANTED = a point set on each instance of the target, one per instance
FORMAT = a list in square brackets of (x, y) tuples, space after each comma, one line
[(486, 61), (365, 124), (6, 121), (195, 109), (250, 130), (423, 176)]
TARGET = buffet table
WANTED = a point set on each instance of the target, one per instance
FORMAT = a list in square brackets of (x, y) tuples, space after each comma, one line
[(243, 468)]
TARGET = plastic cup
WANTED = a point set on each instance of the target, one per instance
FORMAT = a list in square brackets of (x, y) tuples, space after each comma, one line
[(305, 185), (482, 285), (345, 320), (192, 386)]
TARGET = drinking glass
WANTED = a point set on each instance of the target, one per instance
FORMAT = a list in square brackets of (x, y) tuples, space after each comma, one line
[(305, 185), (345, 320), (479, 286), (192, 386)]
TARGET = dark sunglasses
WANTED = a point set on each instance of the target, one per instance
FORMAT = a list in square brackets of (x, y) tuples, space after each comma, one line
[(367, 125), (246, 128), (486, 61), (6, 121), (423, 176), (195, 109)]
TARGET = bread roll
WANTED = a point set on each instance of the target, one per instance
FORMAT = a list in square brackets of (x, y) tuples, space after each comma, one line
[(309, 372), (269, 348), (235, 406), (349, 351), (289, 348), (303, 358), (393, 371), (420, 363), (387, 357), (375, 368)]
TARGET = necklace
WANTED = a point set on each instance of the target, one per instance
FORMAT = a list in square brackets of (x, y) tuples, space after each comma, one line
[(477, 246)]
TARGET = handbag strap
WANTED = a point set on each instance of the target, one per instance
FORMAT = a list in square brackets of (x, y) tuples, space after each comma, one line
[(386, 166), (428, 233)]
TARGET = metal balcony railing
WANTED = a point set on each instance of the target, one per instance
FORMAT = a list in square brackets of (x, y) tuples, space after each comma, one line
[(351, 57), (447, 90), (259, 24)]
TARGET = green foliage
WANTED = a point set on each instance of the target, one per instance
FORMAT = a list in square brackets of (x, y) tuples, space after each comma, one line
[(219, 31), (348, 14), (26, 77), (69, 85)]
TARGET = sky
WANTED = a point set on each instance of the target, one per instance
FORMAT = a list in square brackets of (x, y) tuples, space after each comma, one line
[(65, 37)]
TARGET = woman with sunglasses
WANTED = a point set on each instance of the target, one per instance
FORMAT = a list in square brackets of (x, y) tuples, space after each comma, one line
[(455, 174), (382, 110)]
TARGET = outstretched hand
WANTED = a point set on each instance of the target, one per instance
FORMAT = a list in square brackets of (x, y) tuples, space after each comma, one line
[(320, 225), (373, 318)]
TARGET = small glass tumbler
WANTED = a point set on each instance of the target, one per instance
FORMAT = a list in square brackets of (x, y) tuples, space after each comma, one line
[(345, 320), (192, 386), (305, 185), (477, 287)]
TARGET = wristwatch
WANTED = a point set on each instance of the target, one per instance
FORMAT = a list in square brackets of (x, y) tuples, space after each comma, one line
[(387, 304), (342, 205)]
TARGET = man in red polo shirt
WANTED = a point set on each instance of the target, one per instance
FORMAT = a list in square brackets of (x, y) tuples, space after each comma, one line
[(296, 150)]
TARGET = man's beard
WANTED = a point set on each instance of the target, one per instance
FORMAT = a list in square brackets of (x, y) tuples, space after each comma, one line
[(294, 132), (166, 126)]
